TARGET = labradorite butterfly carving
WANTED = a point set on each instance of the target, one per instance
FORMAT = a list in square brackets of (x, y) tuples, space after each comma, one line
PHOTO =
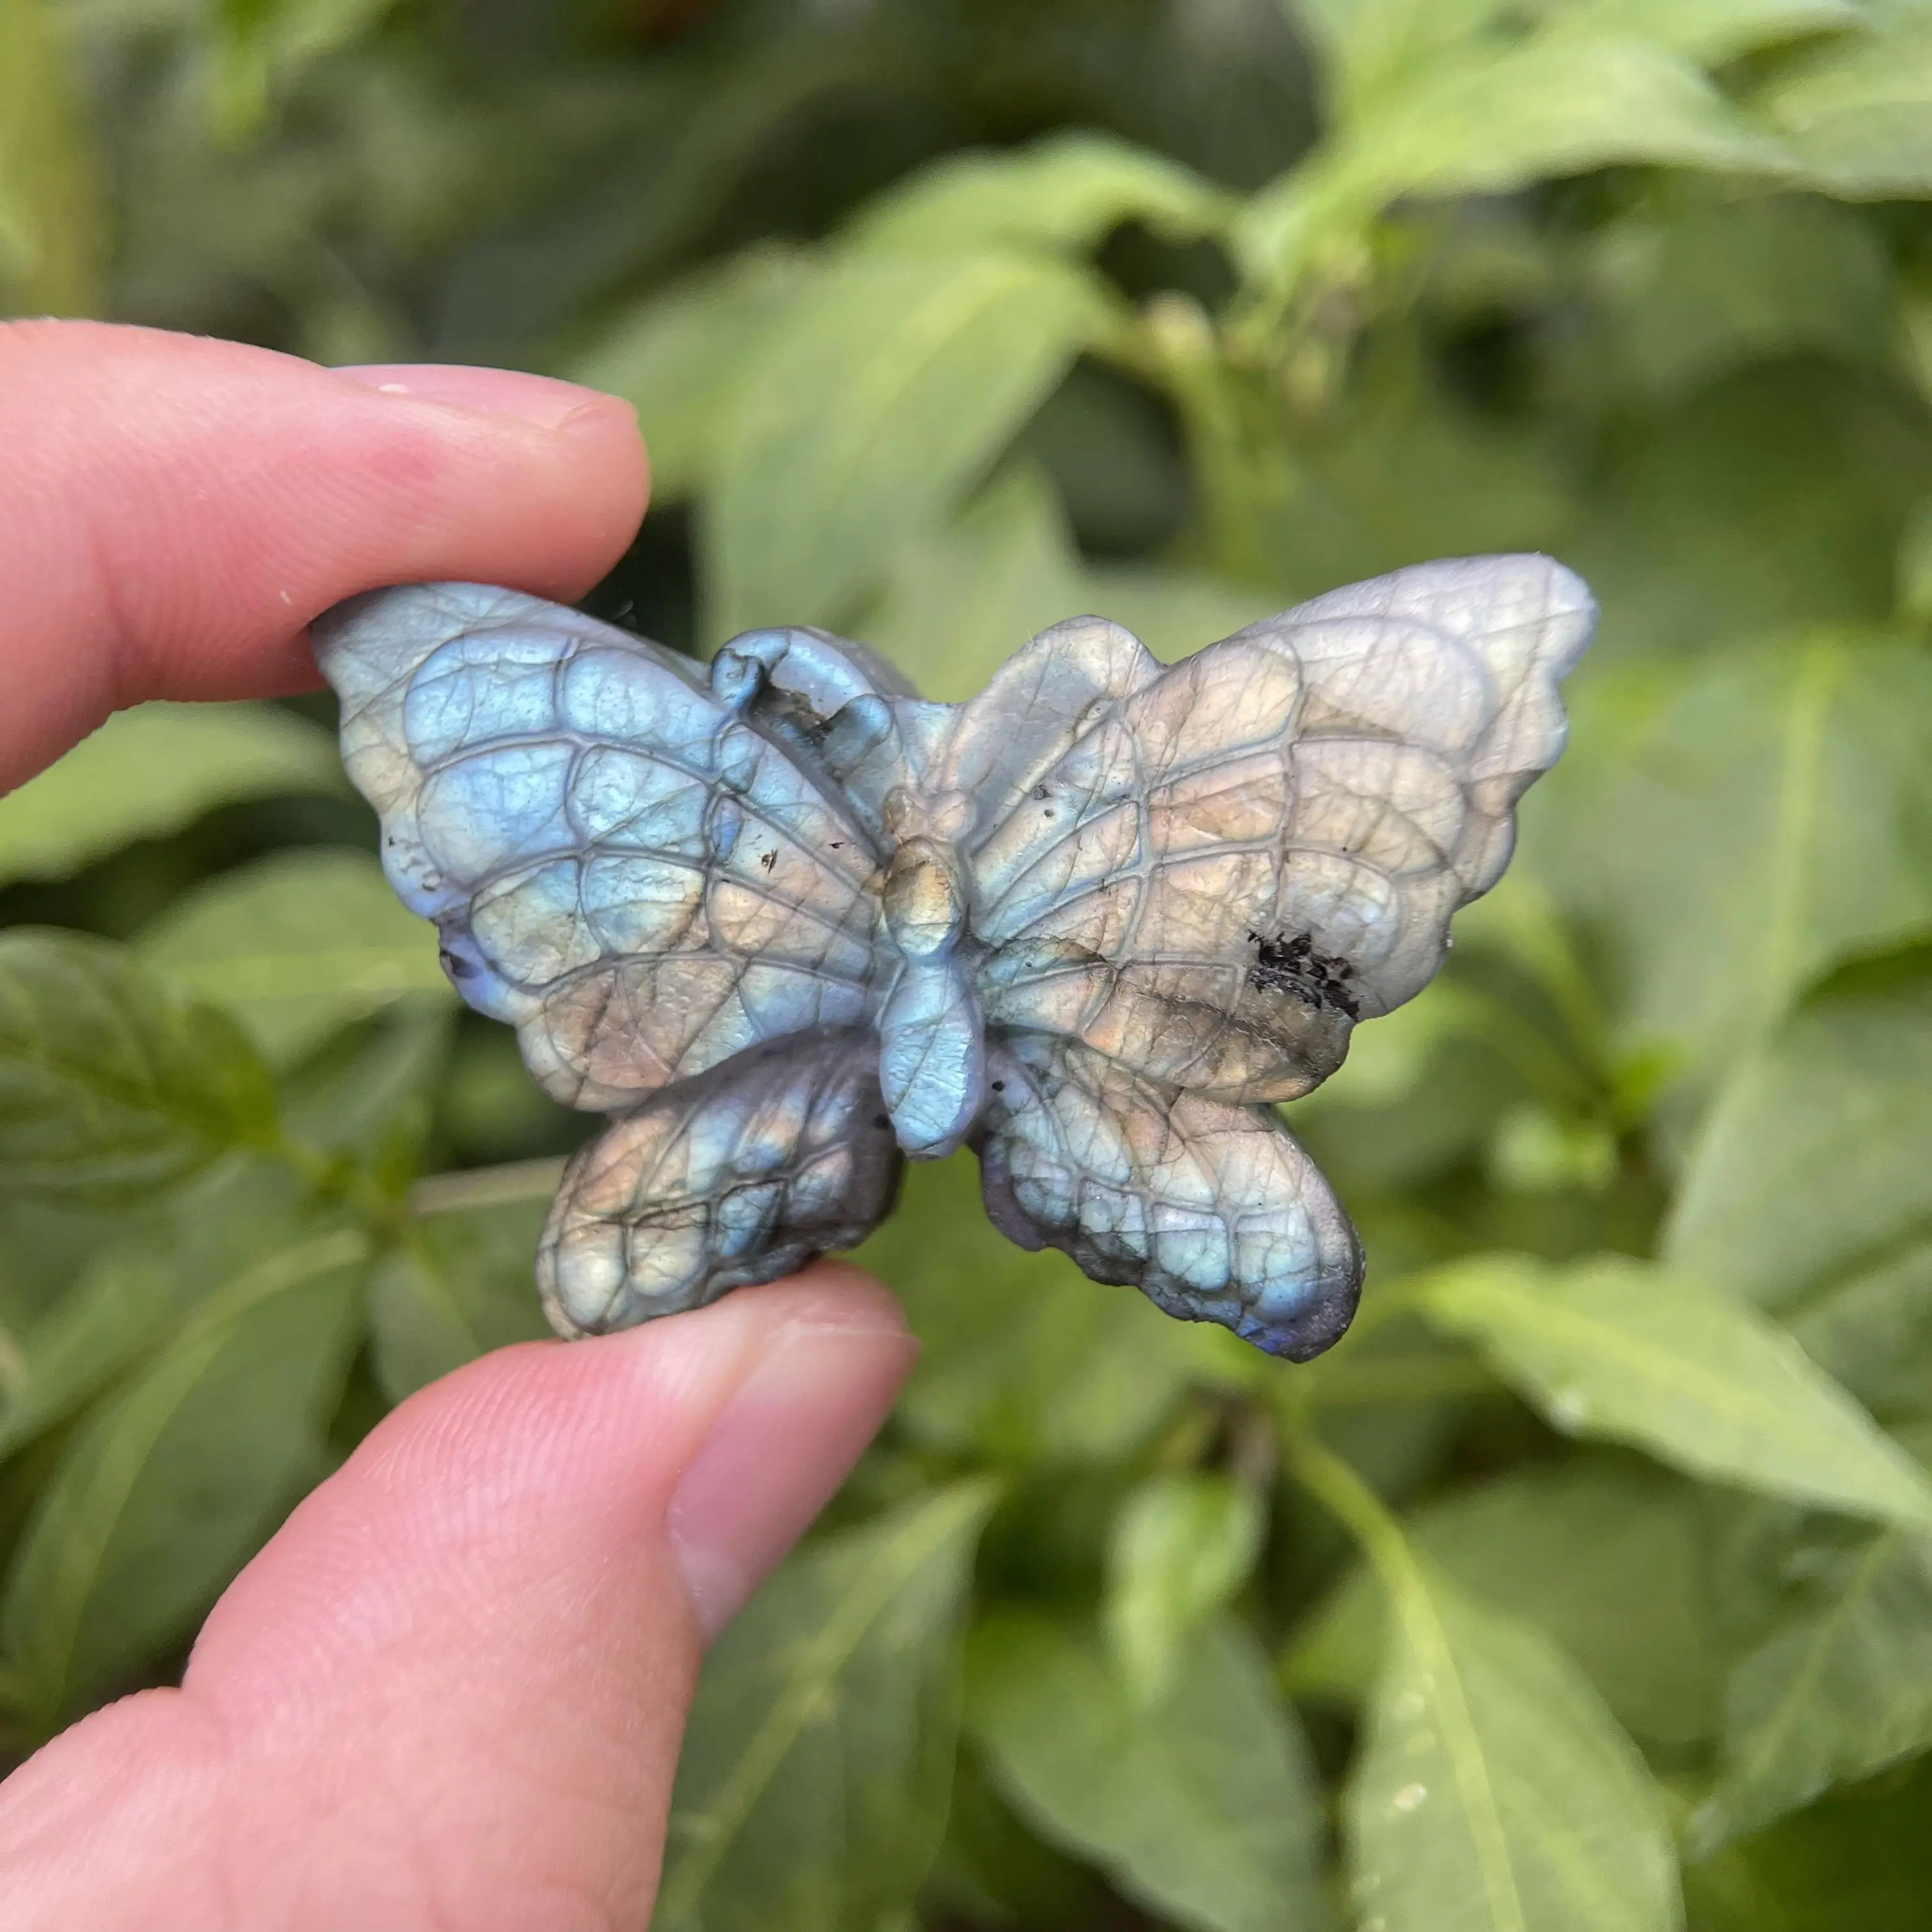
[(788, 921)]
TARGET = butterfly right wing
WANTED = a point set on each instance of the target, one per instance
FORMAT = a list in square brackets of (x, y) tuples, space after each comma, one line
[(1213, 1211), (642, 877), (1232, 863)]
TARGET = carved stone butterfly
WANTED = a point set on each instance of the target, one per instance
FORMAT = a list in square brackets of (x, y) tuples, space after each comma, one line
[(788, 921)]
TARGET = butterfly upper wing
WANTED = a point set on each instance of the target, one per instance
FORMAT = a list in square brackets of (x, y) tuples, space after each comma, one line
[(740, 1175), (1036, 708), (643, 878), (1461, 660), (1212, 1211), (1233, 861)]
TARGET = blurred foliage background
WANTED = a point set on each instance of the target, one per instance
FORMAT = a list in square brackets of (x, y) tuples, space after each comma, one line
[(1588, 1583)]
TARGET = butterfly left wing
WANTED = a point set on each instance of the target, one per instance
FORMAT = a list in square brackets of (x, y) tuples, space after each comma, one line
[(1213, 1211), (741, 1174), (645, 874), (1233, 861)]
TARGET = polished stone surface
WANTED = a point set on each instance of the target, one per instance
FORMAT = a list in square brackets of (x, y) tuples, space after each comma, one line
[(788, 920)]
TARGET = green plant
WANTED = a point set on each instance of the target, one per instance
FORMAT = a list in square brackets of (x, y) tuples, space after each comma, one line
[(1588, 1583)]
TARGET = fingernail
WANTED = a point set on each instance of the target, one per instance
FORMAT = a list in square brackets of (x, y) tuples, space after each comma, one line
[(540, 399), (779, 1449)]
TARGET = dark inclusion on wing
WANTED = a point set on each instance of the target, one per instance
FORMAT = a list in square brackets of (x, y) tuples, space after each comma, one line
[(1294, 966), (790, 924)]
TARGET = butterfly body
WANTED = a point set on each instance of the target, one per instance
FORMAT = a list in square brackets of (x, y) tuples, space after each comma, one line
[(789, 921)]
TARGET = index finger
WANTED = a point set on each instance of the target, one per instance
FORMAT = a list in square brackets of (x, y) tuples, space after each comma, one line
[(174, 511)]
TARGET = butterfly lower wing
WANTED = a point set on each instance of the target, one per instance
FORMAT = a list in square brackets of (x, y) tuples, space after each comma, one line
[(641, 879), (740, 1175), (1212, 1210), (1233, 863)]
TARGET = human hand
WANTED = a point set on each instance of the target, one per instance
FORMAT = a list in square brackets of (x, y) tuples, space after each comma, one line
[(449, 1693)]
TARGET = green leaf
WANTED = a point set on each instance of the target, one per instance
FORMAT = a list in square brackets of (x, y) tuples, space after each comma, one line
[(1914, 564), (991, 1871), (463, 1283), (1200, 1807), (1713, 32), (1412, 471), (109, 1085), (960, 601), (1496, 119), (812, 1787), (169, 1486), (263, 45), (1175, 613), (1493, 1790), (296, 946), (1809, 1189), (1069, 191), (1393, 1081), (53, 211), (45, 1246), (1619, 1348), (1022, 1358), (1861, 1859), (1368, 47), (131, 1285), (1182, 1548), (151, 771), (122, 1302), (1706, 285), (373, 1091), (1841, 1688), (1555, 105), (1606, 1559), (681, 358), (1773, 814), (1872, 1329), (1374, 48), (894, 384), (489, 1108), (1764, 503), (1858, 114)]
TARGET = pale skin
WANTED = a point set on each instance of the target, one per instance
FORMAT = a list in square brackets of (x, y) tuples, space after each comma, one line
[(449, 1693)]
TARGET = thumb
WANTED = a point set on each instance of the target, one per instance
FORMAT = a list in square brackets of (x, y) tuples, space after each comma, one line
[(450, 1691)]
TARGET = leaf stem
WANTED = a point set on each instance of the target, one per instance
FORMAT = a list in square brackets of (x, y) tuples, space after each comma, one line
[(13, 1364), (487, 1186), (1247, 473), (333, 1178), (1336, 1486), (1420, 1379), (1530, 1053)]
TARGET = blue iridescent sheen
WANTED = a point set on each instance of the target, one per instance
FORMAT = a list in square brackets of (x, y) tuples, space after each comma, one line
[(789, 922)]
